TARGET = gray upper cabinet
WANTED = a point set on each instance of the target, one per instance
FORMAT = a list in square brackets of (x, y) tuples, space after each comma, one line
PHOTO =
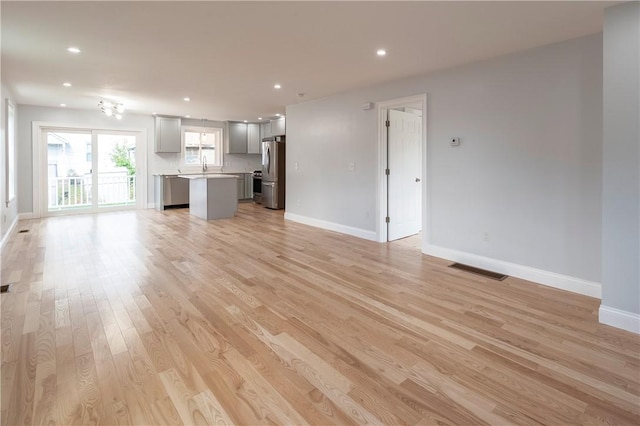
[(278, 127), (265, 130), (253, 138), (243, 138), (168, 137), (237, 143)]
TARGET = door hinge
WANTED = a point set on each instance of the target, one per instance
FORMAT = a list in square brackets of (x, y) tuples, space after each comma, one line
[(387, 219), (387, 172), (387, 123)]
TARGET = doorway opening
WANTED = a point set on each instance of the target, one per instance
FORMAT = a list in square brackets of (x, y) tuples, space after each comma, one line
[(89, 171), (402, 148)]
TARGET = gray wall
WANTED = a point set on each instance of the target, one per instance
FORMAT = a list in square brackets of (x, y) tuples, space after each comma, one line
[(9, 213), (621, 159), (528, 171)]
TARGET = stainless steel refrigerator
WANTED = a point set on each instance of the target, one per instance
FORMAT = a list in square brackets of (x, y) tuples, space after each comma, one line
[(273, 172)]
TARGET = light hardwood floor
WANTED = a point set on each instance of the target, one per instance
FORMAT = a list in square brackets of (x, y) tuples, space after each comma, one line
[(161, 318)]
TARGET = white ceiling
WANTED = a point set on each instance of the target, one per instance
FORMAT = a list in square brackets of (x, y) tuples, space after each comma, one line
[(226, 56)]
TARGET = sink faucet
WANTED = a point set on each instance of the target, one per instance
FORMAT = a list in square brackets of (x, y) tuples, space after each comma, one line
[(204, 164)]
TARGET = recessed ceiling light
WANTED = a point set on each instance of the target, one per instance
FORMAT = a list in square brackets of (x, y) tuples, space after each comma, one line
[(187, 99), (277, 115), (276, 86), (72, 49), (381, 52), (66, 84), (259, 118), (245, 121), (187, 116), (63, 105), (153, 113)]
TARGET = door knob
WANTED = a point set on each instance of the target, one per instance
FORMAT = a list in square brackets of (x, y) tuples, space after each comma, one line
[(417, 179)]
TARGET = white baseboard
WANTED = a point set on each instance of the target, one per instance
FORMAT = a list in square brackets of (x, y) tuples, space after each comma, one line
[(330, 226), (151, 205), (6, 236), (551, 279), (26, 216), (619, 319)]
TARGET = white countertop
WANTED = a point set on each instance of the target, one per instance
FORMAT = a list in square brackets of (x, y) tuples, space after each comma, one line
[(209, 176), (200, 174)]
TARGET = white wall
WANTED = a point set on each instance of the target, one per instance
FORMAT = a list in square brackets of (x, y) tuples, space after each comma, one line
[(528, 171), (8, 214), (28, 114), (621, 168), (156, 163)]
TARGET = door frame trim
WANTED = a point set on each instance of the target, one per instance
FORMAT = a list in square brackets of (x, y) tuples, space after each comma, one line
[(381, 179), (37, 128)]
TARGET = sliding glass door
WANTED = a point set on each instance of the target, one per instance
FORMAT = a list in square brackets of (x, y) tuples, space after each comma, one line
[(90, 171), (116, 169)]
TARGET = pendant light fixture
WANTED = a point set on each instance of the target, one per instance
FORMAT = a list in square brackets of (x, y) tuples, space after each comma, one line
[(110, 109), (203, 135)]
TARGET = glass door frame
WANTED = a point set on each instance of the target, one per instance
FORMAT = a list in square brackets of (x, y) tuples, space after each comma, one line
[(40, 169)]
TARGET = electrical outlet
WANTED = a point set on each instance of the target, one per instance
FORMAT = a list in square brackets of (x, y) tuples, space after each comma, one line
[(352, 167), (485, 237), (296, 166)]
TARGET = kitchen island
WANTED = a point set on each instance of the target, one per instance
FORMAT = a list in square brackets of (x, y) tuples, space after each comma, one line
[(212, 196)]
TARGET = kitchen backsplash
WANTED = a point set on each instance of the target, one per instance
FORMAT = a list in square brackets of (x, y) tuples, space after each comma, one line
[(233, 163)]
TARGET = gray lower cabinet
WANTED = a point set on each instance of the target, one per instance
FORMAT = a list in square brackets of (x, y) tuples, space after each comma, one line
[(167, 137), (245, 186), (241, 187), (248, 186)]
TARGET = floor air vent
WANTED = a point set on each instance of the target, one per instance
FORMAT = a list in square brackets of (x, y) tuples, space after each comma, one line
[(4, 288), (23, 231), (478, 271)]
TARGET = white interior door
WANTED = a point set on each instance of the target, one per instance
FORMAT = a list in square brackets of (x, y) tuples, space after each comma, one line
[(404, 185)]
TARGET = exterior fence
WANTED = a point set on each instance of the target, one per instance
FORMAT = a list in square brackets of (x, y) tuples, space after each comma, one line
[(70, 192)]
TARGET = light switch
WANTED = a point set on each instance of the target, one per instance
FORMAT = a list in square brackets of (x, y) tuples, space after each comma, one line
[(352, 167)]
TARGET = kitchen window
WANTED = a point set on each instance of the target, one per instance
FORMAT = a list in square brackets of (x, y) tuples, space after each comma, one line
[(199, 142)]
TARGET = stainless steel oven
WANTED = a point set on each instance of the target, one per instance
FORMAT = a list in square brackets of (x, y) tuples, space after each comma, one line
[(257, 186)]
